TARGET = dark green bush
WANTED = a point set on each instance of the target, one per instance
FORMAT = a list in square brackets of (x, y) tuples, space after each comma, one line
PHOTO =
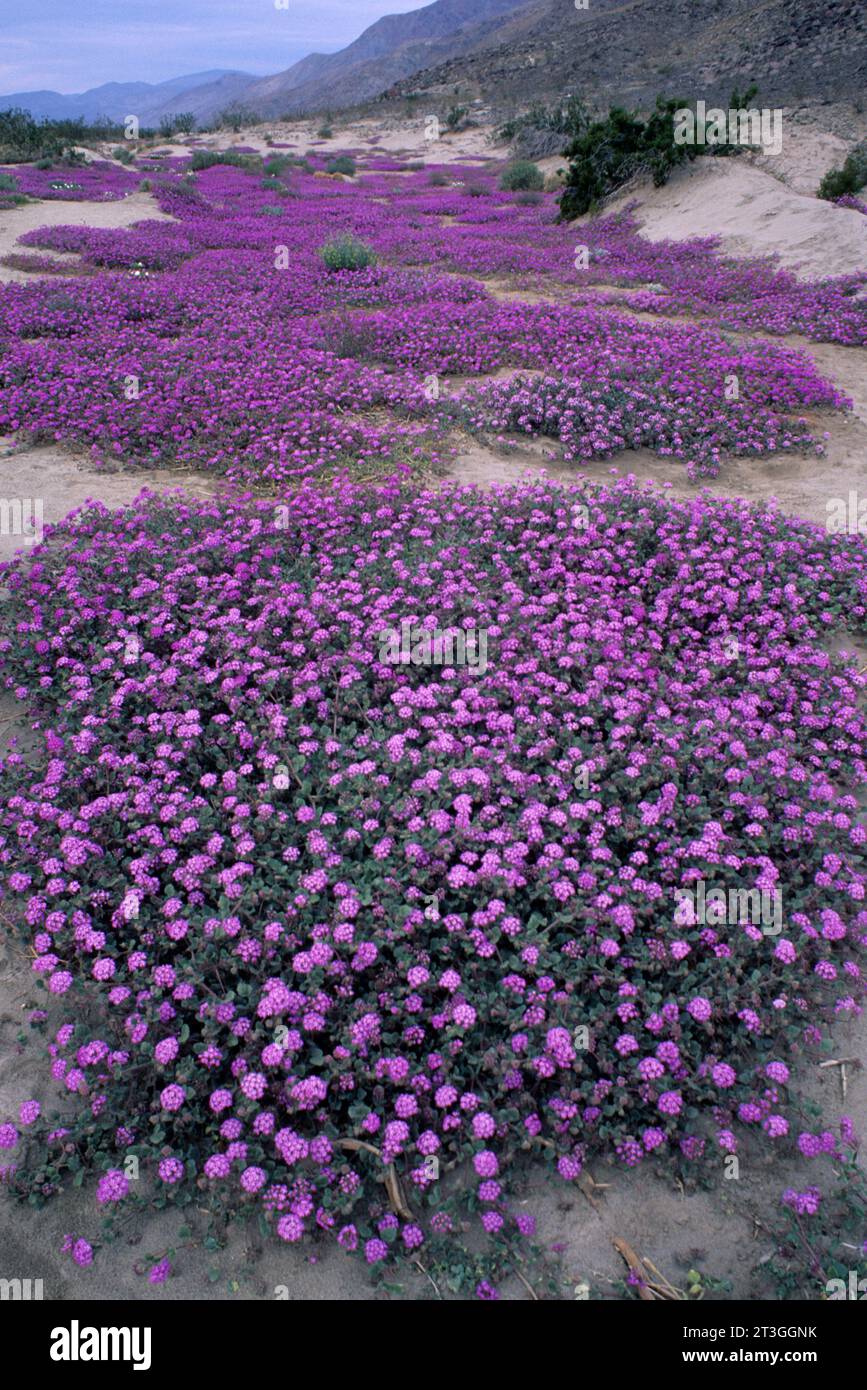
[(347, 253), (612, 151), (522, 176), (341, 165), (277, 164), (180, 188), (206, 159), (837, 183), (607, 153), (9, 195)]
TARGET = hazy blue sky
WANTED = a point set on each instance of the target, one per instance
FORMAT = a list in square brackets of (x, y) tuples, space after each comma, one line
[(70, 45)]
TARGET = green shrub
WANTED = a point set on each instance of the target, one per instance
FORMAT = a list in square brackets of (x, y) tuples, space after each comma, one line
[(608, 152), (236, 117), (837, 183), (184, 123), (8, 183), (613, 150), (181, 188), (341, 165), (121, 153), (277, 164), (439, 179), (324, 132), (19, 133), (272, 185), (523, 176), (476, 190), (181, 123), (545, 130), (456, 117), (529, 198), (347, 253), (24, 140), (206, 159), (60, 159)]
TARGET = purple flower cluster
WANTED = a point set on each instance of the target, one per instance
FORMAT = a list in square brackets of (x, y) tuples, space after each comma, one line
[(98, 181), (282, 805)]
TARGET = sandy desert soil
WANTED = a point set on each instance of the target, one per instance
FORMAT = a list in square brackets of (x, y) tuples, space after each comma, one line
[(122, 212), (755, 214), (65, 482), (758, 209)]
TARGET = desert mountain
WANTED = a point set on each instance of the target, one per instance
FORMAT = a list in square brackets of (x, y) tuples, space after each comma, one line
[(116, 100), (393, 48), (628, 51), (509, 52)]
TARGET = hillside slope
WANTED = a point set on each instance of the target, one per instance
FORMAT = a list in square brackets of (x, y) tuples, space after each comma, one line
[(627, 51), (393, 48)]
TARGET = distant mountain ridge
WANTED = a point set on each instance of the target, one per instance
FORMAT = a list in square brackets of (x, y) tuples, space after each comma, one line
[(117, 100)]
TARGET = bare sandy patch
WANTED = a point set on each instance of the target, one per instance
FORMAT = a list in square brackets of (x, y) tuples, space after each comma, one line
[(63, 482), (846, 367), (754, 214), (390, 137), (484, 466), (808, 152), (800, 483), (121, 212)]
